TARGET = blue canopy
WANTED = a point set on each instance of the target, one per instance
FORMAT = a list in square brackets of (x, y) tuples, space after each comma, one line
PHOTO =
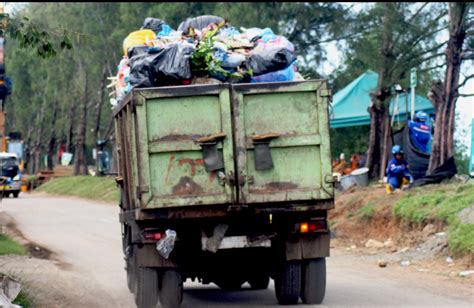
[(349, 106)]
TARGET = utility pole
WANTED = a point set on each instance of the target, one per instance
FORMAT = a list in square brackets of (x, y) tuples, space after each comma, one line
[(413, 85)]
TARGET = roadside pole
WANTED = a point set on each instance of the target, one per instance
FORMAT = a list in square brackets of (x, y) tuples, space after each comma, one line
[(413, 85)]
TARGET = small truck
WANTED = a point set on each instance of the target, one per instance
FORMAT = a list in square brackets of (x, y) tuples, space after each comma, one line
[(225, 184)]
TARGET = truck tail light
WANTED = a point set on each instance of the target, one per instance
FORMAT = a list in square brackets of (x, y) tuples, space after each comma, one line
[(304, 228), (152, 235), (312, 226)]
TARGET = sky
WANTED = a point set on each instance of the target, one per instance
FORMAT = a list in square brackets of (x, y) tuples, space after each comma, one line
[(464, 105)]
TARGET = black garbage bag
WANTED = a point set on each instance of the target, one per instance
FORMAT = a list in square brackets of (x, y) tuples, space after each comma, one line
[(167, 66), (172, 64), (154, 24), (445, 171), (417, 161), (141, 71), (270, 60), (199, 22), (137, 50)]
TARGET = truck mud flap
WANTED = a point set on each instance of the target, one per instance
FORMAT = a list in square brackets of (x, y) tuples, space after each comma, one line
[(307, 248), (148, 256)]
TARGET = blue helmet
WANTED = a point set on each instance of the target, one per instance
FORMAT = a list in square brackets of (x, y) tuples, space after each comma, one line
[(422, 116), (397, 150)]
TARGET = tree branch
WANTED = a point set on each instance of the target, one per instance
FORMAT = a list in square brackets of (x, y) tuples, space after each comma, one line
[(431, 68), (465, 95), (466, 79)]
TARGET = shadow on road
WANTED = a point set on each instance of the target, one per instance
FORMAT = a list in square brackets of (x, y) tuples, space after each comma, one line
[(205, 296)]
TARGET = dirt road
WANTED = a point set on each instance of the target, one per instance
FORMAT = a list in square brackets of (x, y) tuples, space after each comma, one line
[(88, 266)]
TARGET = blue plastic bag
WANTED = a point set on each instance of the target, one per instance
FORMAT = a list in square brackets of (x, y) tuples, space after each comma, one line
[(287, 74)]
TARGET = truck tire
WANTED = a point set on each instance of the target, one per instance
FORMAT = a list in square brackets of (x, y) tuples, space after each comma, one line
[(15, 194), (131, 270), (259, 282), (146, 289), (313, 283), (171, 288), (288, 283)]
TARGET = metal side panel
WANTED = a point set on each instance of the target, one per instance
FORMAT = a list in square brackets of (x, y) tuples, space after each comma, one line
[(297, 113), (171, 162)]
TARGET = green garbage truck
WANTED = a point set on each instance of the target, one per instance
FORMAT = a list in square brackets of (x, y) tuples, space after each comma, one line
[(225, 184)]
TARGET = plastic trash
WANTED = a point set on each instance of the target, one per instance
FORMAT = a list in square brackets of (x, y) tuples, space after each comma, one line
[(165, 30), (287, 74), (137, 38), (141, 73), (270, 60), (199, 23), (172, 65), (166, 67), (166, 245), (154, 24), (253, 34), (137, 50)]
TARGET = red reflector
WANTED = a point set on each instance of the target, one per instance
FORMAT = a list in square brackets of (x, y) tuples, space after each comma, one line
[(317, 226), (152, 236)]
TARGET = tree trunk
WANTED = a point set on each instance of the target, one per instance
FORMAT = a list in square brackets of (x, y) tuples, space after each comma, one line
[(70, 132), (37, 145), (52, 139), (81, 161), (379, 110), (446, 94)]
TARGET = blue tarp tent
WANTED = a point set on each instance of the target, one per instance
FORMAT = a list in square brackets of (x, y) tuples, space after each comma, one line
[(349, 106)]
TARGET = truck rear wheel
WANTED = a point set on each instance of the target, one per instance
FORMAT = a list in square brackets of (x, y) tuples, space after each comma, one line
[(313, 283), (288, 283), (171, 288), (146, 290), (15, 194), (131, 270)]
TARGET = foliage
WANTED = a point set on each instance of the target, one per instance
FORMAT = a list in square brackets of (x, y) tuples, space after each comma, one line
[(367, 211), (441, 203), (96, 32), (32, 35), (9, 246), (349, 140), (87, 187), (23, 300)]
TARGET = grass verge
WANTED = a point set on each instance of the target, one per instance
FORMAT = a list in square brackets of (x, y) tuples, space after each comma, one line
[(23, 300), (10, 247), (88, 187), (441, 203)]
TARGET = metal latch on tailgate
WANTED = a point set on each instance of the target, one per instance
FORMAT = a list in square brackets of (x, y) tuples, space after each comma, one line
[(212, 158)]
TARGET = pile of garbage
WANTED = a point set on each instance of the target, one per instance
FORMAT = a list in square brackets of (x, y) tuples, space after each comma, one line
[(204, 49)]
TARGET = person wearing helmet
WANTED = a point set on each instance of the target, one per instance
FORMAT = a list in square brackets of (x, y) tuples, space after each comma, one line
[(420, 132), (398, 173)]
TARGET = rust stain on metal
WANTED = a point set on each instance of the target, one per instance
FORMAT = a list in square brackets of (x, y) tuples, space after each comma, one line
[(275, 187), (170, 166), (192, 163), (177, 137), (212, 176), (187, 186)]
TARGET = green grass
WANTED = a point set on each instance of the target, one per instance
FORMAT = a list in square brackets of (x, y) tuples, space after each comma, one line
[(88, 187), (9, 246), (441, 203), (23, 300), (367, 211)]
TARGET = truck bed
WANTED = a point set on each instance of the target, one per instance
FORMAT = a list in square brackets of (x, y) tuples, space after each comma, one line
[(166, 166)]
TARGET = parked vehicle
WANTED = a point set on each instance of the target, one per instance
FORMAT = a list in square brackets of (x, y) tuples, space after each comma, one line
[(10, 175), (227, 183)]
